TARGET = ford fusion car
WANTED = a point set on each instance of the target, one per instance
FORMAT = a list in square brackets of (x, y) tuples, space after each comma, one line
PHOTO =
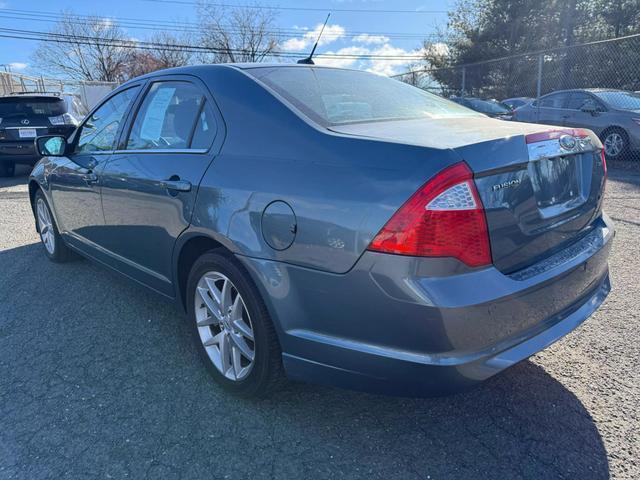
[(332, 225)]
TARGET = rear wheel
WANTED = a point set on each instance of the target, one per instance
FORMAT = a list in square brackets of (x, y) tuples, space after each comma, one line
[(54, 246), (7, 168), (232, 328), (616, 143)]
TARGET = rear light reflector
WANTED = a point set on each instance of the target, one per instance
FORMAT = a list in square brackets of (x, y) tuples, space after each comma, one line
[(445, 218)]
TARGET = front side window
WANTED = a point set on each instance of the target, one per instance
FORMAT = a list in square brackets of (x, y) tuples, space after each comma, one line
[(553, 101), (167, 117), (334, 96), (98, 133)]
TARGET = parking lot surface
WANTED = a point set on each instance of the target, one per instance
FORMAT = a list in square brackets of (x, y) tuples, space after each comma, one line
[(99, 379)]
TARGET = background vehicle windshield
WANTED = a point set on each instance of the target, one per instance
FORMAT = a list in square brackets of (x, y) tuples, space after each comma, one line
[(621, 100), (333, 96), (31, 106), (489, 106)]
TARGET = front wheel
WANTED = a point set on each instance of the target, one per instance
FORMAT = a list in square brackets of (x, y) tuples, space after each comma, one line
[(615, 143), (232, 328), (54, 246)]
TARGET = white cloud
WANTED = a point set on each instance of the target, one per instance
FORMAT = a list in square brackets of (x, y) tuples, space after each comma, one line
[(18, 66), (371, 39), (331, 34), (382, 66)]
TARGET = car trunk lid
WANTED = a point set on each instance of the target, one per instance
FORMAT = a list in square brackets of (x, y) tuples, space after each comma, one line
[(544, 201), (539, 196)]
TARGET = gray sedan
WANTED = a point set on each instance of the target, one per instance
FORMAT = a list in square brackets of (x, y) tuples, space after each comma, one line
[(333, 225), (614, 115)]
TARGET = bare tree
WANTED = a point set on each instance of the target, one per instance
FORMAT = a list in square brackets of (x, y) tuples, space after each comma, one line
[(84, 48), (162, 50), (240, 34)]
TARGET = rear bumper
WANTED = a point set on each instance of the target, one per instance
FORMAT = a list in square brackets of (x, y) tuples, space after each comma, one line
[(19, 152), (393, 325)]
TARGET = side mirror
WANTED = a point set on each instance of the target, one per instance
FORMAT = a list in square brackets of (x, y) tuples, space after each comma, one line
[(589, 108), (51, 146)]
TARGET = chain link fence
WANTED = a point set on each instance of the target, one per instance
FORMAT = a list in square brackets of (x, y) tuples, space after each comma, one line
[(611, 64), (608, 65)]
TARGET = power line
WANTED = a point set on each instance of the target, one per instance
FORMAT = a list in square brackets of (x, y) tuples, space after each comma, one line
[(300, 9), (179, 26), (145, 45)]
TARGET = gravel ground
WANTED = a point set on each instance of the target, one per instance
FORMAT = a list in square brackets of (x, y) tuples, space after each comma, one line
[(99, 379)]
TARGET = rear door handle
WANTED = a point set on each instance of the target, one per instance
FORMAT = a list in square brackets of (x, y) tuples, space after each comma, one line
[(177, 185)]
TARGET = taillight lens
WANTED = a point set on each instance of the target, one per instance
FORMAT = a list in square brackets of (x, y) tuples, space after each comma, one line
[(604, 165), (445, 218)]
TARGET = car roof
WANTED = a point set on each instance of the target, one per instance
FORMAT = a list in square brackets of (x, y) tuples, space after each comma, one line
[(590, 90), (32, 95), (194, 69)]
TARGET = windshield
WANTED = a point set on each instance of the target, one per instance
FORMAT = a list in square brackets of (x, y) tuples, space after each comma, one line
[(621, 100), (31, 106), (333, 96), (488, 106)]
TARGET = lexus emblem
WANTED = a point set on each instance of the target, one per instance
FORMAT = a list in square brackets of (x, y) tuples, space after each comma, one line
[(568, 142), (25, 121)]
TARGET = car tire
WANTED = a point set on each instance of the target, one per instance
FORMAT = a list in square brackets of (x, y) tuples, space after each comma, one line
[(232, 327), (7, 169), (616, 143), (54, 246)]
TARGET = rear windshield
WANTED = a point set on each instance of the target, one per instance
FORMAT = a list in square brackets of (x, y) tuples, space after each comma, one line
[(333, 97), (31, 106), (621, 100)]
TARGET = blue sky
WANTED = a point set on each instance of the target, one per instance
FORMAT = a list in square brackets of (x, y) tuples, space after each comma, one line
[(342, 33)]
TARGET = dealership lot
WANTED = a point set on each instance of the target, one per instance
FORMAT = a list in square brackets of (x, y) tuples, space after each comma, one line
[(99, 379)]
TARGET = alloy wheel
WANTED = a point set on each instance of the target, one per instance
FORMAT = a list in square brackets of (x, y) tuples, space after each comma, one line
[(224, 326), (613, 144), (45, 226)]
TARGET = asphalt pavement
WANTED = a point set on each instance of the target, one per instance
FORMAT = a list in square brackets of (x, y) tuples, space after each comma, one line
[(99, 379)]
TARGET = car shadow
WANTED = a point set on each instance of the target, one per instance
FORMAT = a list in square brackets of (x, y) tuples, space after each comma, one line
[(99, 375), (21, 177)]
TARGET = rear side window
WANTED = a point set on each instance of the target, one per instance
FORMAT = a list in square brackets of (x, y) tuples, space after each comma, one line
[(31, 107), (99, 132), (206, 128), (167, 117), (580, 100)]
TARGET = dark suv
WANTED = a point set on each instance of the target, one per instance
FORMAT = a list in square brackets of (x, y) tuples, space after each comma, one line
[(24, 117)]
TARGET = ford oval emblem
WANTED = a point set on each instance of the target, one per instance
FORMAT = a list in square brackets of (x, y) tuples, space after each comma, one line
[(25, 121), (568, 142)]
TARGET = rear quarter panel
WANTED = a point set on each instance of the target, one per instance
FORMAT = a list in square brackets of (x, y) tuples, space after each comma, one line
[(342, 189)]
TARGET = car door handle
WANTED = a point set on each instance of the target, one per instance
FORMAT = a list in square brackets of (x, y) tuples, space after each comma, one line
[(90, 178), (177, 185)]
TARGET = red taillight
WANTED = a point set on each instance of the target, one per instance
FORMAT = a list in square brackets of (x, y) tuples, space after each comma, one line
[(445, 218)]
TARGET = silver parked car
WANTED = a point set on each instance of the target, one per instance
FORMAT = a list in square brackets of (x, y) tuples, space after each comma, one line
[(614, 115)]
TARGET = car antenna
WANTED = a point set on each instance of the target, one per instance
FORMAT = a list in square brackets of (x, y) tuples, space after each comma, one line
[(309, 59)]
